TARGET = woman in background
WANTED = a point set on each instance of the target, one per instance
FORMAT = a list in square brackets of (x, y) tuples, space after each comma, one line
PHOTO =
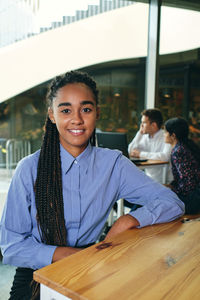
[(185, 159)]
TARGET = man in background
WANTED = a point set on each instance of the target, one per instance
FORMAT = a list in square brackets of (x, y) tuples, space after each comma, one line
[(149, 142)]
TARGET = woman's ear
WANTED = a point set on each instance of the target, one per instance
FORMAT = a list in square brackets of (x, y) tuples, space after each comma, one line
[(173, 136), (51, 116), (154, 126)]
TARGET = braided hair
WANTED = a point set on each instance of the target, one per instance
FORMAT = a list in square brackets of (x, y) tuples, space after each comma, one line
[(48, 185)]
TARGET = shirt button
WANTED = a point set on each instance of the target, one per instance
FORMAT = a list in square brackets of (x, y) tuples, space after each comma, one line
[(75, 161)]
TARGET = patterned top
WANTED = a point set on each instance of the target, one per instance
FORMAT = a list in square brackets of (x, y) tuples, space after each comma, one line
[(185, 169)]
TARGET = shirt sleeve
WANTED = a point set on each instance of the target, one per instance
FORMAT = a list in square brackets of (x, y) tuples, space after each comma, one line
[(137, 142), (159, 203), (162, 155), (20, 246)]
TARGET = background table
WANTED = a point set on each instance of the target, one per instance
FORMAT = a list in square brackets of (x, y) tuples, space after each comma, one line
[(154, 163), (156, 262)]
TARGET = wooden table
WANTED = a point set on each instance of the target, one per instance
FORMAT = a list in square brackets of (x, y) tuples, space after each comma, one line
[(151, 162), (152, 263)]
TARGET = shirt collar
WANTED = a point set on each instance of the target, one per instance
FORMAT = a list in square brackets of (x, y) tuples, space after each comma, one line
[(156, 134), (67, 159)]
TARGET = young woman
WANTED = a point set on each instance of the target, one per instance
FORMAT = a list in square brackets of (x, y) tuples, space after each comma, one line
[(185, 159), (60, 197)]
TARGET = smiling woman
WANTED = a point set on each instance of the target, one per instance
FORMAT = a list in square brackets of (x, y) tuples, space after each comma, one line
[(60, 196)]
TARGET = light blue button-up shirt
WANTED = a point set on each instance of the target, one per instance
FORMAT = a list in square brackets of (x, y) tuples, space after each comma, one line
[(92, 183)]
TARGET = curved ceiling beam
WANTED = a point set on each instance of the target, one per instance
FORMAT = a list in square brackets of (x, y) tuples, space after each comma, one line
[(114, 35)]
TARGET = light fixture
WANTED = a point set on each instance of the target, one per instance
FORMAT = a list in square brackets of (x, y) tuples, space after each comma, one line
[(167, 93), (116, 92)]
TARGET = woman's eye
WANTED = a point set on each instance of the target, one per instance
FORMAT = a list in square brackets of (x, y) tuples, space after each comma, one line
[(86, 109), (65, 111)]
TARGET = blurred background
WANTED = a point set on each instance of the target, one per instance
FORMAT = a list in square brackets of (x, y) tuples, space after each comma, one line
[(109, 39)]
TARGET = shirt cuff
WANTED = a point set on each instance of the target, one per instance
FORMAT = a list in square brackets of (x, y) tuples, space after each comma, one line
[(142, 216), (45, 254), (143, 154)]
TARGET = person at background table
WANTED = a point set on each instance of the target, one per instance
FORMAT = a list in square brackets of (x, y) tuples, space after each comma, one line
[(149, 142), (60, 196), (185, 160)]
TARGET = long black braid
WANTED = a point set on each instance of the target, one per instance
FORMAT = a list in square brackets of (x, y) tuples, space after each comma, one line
[(48, 189), (48, 185)]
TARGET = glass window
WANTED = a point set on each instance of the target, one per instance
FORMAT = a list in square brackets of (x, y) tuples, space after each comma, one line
[(118, 101), (194, 107), (171, 93), (23, 116)]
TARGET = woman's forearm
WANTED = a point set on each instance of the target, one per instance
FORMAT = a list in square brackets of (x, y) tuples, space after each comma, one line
[(62, 252)]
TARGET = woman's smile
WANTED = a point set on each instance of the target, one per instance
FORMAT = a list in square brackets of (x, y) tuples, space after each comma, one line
[(76, 132)]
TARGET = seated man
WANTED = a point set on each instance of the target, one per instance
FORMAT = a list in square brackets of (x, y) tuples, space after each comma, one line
[(149, 142)]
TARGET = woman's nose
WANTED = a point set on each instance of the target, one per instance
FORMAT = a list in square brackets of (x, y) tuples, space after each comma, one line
[(77, 118)]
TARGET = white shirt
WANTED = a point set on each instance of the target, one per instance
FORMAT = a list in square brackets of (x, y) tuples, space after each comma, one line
[(152, 148)]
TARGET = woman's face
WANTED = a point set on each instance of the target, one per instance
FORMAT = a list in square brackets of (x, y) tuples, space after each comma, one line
[(74, 111)]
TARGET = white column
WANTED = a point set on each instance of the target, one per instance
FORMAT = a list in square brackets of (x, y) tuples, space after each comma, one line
[(152, 65)]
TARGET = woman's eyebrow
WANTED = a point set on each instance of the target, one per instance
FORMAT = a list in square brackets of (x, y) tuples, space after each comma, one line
[(84, 102), (64, 104)]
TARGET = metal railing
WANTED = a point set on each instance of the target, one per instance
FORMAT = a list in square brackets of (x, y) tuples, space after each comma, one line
[(19, 18), (2, 153), (12, 151)]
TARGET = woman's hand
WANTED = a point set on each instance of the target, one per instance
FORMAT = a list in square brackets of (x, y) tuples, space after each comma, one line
[(62, 252), (123, 223)]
